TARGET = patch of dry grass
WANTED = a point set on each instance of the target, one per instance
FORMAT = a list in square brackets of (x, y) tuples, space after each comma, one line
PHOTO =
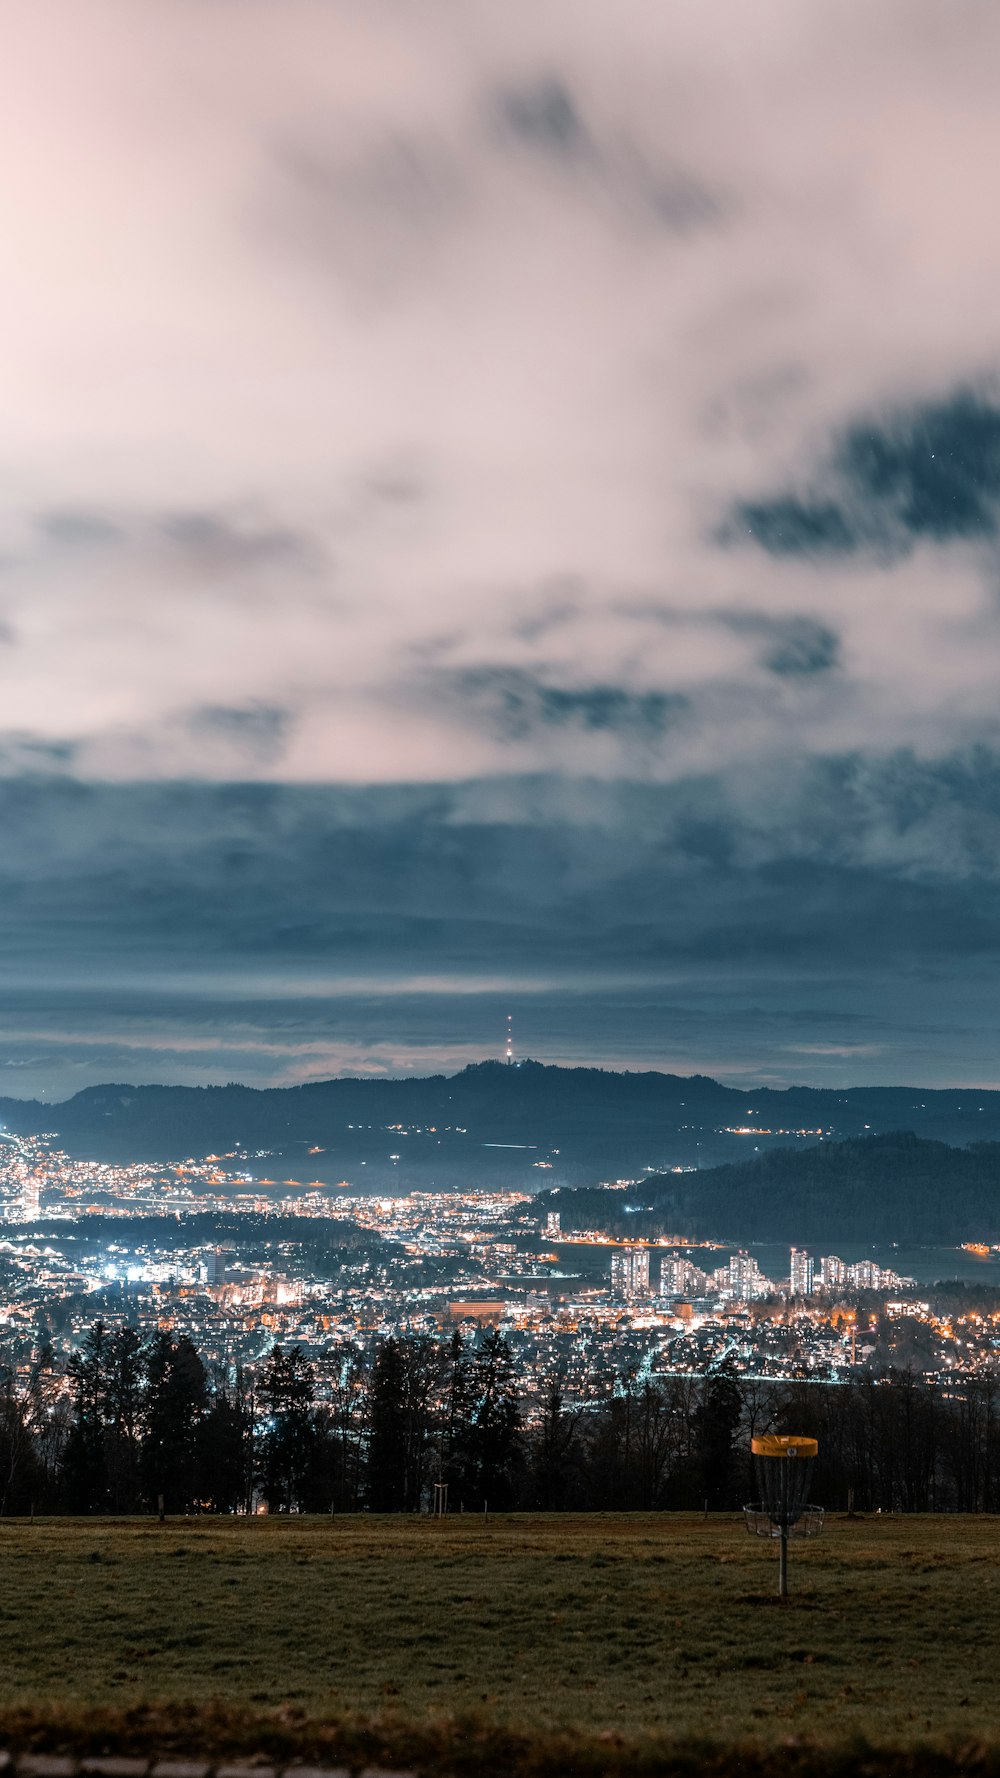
[(528, 1644)]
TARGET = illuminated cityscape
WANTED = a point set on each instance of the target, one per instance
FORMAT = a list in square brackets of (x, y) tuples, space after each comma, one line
[(213, 1249)]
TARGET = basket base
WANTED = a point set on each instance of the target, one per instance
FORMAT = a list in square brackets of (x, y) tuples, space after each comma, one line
[(759, 1522)]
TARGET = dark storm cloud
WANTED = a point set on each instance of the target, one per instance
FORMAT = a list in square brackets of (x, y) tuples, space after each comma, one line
[(543, 114), (792, 646), (261, 930), (257, 729), (681, 202), (516, 704), (397, 487), (812, 649), (368, 209), (405, 175), (78, 530), (508, 872), (925, 473), (20, 753), (549, 613), (215, 540), (220, 542)]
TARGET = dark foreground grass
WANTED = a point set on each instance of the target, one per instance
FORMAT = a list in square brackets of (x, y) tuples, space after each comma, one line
[(535, 1645)]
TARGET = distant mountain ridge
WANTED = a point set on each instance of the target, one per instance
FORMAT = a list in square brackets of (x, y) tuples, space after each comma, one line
[(498, 1123)]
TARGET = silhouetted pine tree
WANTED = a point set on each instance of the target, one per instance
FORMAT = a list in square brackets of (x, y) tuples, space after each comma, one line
[(345, 1428), (85, 1478), (717, 1419), (176, 1396), (123, 1416), (554, 1456), (225, 1449), (287, 1393), (495, 1441)]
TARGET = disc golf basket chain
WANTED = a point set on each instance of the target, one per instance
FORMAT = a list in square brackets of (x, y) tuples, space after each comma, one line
[(783, 1466)]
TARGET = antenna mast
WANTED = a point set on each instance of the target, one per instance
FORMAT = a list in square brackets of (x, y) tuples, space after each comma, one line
[(510, 1039)]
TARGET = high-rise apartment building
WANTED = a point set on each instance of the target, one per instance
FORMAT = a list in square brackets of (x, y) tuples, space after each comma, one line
[(741, 1278), (678, 1277), (26, 1206), (866, 1275), (746, 1280), (801, 1279), (630, 1271)]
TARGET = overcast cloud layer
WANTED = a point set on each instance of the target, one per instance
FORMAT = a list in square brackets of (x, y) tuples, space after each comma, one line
[(501, 506)]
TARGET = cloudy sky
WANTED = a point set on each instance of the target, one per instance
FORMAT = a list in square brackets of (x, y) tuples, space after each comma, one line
[(501, 511)]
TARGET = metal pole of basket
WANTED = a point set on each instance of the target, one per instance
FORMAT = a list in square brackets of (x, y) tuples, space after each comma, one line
[(783, 1541)]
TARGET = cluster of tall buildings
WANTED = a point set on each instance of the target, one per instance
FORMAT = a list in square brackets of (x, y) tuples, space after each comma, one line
[(833, 1273), (630, 1271), (741, 1278), (681, 1277), (25, 1206)]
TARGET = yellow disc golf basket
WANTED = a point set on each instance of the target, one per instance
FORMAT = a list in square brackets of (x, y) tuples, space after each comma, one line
[(783, 1466)]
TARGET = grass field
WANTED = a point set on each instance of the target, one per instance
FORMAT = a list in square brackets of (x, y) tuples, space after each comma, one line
[(524, 1644)]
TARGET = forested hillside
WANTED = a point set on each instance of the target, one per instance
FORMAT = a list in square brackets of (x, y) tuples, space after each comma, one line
[(880, 1189)]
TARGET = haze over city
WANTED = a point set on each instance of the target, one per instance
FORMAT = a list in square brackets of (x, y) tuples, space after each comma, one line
[(500, 514)]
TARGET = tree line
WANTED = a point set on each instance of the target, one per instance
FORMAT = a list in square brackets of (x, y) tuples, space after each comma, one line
[(136, 1423)]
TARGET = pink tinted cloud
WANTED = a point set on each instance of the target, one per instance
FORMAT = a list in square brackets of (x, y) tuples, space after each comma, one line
[(338, 276)]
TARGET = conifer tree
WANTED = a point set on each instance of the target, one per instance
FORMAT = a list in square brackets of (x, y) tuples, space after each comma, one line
[(496, 1422), (176, 1395), (287, 1393), (84, 1465)]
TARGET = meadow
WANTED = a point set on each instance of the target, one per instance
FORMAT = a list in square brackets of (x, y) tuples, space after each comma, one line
[(528, 1643)]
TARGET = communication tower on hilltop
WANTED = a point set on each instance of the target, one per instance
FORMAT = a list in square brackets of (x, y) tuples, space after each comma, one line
[(509, 1053)]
